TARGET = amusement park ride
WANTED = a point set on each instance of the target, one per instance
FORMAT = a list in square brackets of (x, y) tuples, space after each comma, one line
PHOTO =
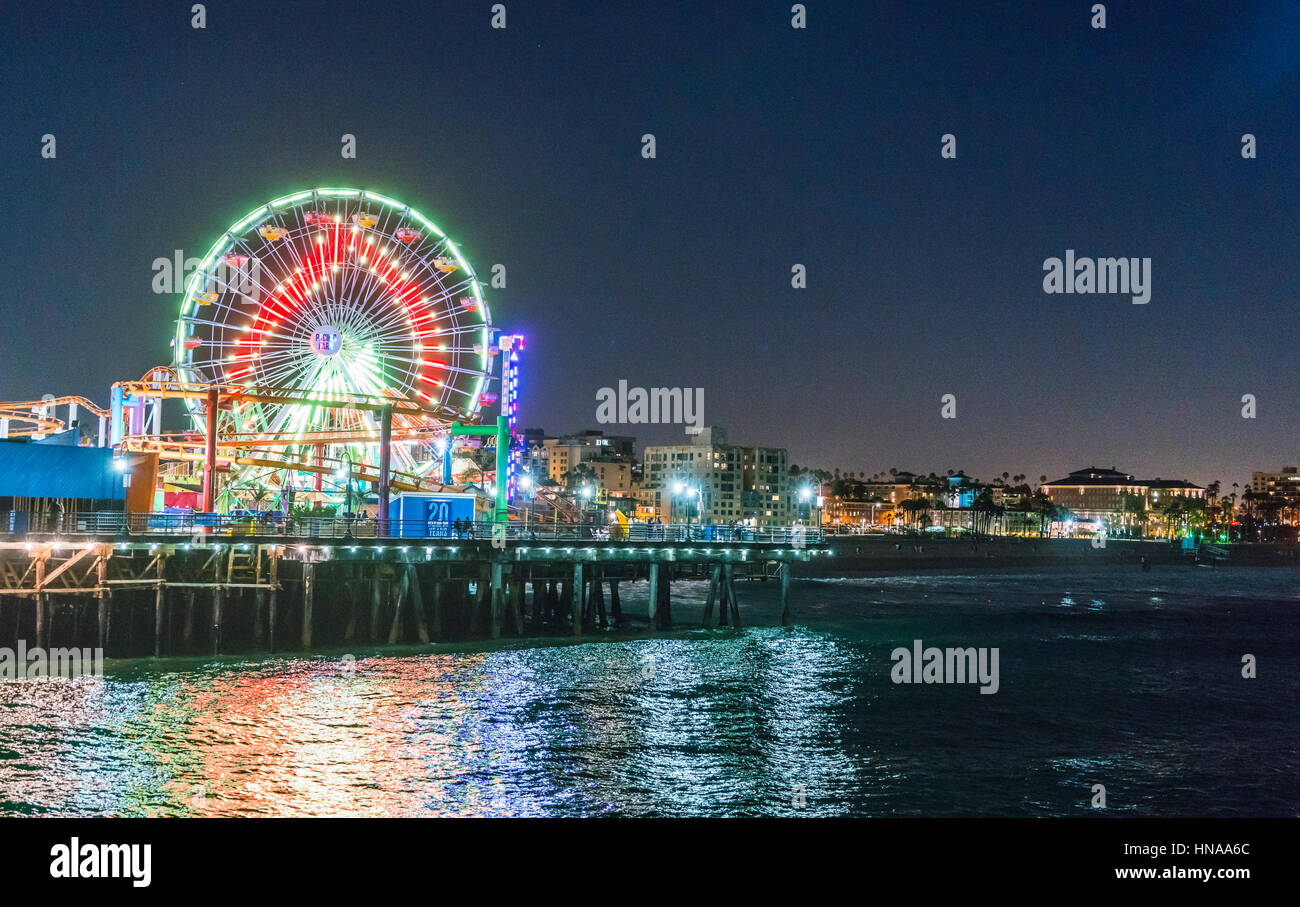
[(330, 336)]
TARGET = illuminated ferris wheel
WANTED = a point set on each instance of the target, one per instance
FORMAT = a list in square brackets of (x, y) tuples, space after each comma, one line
[(326, 304)]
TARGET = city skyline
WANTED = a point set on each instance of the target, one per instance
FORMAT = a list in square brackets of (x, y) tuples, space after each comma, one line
[(1032, 477)]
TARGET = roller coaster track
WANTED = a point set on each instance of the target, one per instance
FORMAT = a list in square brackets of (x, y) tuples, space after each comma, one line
[(236, 395), (415, 422), (560, 503), (30, 414), (272, 453)]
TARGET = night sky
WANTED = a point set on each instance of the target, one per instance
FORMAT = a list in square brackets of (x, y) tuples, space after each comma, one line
[(775, 146)]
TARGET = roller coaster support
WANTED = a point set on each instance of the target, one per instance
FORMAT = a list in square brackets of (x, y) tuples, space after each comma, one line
[(385, 465), (500, 431), (210, 453)]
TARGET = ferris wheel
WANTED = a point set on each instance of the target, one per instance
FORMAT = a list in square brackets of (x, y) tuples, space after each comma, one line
[(326, 304)]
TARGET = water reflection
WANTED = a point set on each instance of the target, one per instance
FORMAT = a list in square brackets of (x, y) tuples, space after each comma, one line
[(714, 723), (642, 727)]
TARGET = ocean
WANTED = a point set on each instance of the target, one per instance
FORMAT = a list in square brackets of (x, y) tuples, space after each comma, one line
[(1112, 679)]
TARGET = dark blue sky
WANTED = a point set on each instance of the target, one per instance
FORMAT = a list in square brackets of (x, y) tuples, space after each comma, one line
[(775, 146)]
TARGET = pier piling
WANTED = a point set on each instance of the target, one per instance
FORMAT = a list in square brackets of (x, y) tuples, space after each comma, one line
[(218, 594), (727, 571), (577, 598), (376, 603), (308, 600), (785, 595), (497, 604), (652, 606), (517, 603), (397, 593), (417, 603), (159, 604), (714, 582)]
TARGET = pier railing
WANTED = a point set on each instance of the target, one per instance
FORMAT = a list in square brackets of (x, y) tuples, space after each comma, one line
[(118, 524)]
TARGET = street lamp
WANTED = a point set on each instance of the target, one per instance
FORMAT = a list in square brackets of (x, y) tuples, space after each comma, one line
[(806, 496), (682, 489), (346, 474), (525, 484)]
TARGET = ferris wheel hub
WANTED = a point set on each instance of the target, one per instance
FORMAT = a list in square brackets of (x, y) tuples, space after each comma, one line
[(326, 341)]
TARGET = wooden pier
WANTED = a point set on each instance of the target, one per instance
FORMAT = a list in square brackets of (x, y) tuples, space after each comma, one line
[(169, 596)]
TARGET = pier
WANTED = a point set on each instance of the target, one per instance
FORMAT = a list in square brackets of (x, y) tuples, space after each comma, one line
[(156, 585)]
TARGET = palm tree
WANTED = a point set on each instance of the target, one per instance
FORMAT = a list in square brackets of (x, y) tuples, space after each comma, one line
[(1133, 507), (1171, 511), (916, 508), (582, 474), (258, 495), (985, 510), (1195, 516), (1046, 509)]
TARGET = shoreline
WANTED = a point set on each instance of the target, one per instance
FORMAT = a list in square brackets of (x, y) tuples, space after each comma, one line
[(881, 555)]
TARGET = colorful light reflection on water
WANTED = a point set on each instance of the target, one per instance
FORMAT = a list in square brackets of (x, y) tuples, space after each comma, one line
[(1104, 678)]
